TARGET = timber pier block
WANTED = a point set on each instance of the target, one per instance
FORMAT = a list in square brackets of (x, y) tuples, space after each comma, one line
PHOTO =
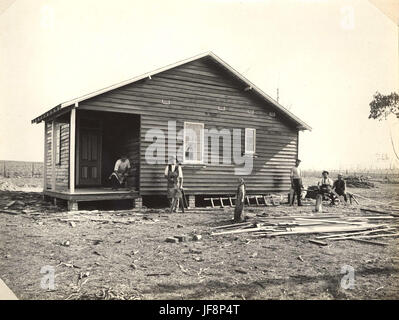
[(191, 201), (138, 203), (73, 205)]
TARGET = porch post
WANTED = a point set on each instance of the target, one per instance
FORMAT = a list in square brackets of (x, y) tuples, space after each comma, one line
[(53, 180), (72, 140), (44, 158)]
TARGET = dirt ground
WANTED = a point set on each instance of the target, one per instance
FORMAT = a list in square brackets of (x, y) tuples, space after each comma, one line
[(124, 255)]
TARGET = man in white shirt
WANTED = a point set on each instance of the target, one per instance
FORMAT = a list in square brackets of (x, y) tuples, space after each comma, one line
[(121, 171), (326, 185), (326, 182), (296, 182), (171, 167)]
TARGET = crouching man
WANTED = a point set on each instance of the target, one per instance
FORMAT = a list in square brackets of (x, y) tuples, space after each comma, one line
[(339, 188), (118, 178)]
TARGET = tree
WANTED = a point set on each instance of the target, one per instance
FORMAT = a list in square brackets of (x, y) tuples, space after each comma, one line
[(382, 106)]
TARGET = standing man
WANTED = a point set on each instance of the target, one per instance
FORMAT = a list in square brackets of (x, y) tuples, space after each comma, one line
[(296, 182), (174, 176)]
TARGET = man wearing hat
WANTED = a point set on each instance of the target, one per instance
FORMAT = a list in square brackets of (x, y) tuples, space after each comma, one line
[(325, 185), (296, 182), (174, 176)]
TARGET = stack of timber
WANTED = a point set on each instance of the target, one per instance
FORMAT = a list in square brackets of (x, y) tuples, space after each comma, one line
[(358, 182), (329, 227)]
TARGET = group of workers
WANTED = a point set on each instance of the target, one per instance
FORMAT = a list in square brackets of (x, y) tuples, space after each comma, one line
[(326, 186), (175, 193)]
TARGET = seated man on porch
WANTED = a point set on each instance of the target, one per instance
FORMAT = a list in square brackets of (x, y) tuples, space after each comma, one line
[(121, 171)]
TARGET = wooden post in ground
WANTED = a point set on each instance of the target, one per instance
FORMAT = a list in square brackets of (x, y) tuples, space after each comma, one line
[(240, 201), (319, 203)]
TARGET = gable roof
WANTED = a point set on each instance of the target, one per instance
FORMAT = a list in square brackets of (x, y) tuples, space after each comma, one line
[(301, 125)]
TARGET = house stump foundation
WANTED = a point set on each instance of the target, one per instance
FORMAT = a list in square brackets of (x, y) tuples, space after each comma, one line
[(191, 201), (138, 203), (72, 205)]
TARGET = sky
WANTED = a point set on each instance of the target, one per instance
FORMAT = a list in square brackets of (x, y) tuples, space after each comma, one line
[(327, 57)]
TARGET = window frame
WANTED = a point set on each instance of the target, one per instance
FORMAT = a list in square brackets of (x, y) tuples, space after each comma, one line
[(247, 130), (201, 141)]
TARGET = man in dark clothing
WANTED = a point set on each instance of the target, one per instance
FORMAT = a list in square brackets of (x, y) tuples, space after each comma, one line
[(340, 188), (173, 171)]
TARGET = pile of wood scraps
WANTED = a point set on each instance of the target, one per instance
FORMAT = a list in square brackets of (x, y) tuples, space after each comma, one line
[(329, 227), (358, 182)]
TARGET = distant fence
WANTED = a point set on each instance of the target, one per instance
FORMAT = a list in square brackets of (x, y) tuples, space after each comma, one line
[(376, 174), (13, 169)]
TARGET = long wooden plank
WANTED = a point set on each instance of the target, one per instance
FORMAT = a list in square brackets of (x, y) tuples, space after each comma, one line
[(371, 242), (377, 211), (330, 221), (233, 225), (367, 236), (242, 231), (323, 229), (353, 233)]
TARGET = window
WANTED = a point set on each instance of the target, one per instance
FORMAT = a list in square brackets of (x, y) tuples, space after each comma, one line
[(193, 142), (250, 140), (57, 144)]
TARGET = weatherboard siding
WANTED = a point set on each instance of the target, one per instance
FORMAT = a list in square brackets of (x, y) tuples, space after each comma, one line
[(48, 155), (62, 169), (198, 92)]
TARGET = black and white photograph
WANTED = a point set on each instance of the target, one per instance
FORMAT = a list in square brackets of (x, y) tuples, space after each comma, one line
[(225, 151)]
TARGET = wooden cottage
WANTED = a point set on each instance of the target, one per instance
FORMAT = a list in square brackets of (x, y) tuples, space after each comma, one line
[(202, 96)]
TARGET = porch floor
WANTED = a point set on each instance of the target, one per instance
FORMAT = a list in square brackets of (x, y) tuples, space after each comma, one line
[(92, 194)]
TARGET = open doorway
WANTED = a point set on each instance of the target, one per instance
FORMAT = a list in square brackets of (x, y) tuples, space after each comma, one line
[(102, 138)]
